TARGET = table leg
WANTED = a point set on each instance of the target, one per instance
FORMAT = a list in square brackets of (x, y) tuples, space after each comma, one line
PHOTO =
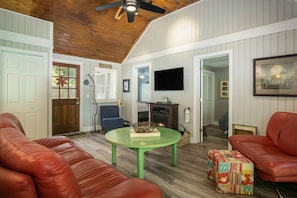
[(174, 154), (114, 154), (140, 163)]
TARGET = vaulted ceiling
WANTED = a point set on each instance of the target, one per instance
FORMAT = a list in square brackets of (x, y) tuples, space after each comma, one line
[(80, 30)]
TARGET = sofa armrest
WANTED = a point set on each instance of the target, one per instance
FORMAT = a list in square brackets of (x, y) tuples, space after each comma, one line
[(52, 175), (16, 184)]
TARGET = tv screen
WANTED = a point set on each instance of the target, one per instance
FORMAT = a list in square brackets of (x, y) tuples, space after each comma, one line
[(170, 79)]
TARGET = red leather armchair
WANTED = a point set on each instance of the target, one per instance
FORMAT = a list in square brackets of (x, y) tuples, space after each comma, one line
[(55, 167), (274, 155)]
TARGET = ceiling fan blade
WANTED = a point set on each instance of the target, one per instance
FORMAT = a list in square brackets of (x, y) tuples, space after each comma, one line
[(111, 5), (130, 16), (151, 7)]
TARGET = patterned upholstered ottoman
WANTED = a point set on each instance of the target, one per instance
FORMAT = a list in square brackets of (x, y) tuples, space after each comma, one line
[(231, 171)]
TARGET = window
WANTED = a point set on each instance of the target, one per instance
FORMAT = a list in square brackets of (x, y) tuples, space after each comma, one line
[(64, 81), (105, 84)]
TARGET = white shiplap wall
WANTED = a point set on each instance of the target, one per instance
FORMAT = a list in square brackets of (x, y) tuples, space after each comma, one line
[(25, 32), (209, 19), (163, 43)]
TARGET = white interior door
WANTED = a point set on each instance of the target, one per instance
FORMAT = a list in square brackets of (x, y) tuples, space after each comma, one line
[(208, 97), (24, 91)]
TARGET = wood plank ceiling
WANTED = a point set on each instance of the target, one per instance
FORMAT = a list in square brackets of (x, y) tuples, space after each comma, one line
[(80, 30)]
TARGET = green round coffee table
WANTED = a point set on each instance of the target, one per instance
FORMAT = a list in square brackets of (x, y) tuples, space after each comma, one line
[(121, 137)]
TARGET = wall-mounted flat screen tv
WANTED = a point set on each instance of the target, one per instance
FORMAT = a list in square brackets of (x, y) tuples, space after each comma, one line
[(170, 79)]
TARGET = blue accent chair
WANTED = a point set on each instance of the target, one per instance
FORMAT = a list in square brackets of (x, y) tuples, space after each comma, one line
[(110, 117)]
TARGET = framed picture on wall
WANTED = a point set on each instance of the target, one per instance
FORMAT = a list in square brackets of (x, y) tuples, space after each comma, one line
[(126, 85), (275, 76), (224, 89)]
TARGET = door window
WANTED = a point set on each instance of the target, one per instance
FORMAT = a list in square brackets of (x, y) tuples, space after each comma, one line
[(64, 82)]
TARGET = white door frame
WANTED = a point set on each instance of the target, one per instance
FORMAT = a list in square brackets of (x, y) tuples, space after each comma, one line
[(135, 88), (197, 90)]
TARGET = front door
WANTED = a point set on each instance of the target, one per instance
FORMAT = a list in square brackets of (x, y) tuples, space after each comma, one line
[(65, 98)]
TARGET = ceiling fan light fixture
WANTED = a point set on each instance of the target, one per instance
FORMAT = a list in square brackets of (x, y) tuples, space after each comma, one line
[(131, 5), (131, 8)]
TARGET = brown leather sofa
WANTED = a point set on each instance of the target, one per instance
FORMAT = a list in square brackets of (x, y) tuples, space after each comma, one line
[(274, 155), (55, 168)]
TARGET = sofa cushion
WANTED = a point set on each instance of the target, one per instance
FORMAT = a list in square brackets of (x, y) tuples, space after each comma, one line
[(95, 176), (51, 173), (281, 129), (279, 123), (71, 153), (277, 165), (287, 141), (254, 150), (236, 139), (53, 141), (99, 179), (111, 123), (133, 188)]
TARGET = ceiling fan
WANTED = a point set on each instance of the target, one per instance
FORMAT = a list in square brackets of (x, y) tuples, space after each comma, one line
[(132, 6)]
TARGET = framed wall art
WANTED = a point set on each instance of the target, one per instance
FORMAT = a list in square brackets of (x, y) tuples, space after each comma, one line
[(224, 89), (275, 76), (126, 85)]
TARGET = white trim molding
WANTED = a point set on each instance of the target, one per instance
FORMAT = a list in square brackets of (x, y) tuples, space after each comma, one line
[(27, 39)]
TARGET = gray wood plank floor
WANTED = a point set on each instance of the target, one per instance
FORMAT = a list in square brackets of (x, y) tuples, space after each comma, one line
[(188, 179)]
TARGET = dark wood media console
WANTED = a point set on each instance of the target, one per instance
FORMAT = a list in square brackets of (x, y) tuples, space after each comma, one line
[(165, 114)]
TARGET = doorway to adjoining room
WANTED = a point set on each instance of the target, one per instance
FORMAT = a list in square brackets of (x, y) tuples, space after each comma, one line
[(143, 93), (215, 97)]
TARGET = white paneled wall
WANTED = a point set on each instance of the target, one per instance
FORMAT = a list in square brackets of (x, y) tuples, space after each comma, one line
[(24, 24), (212, 18), (170, 41), (25, 32)]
